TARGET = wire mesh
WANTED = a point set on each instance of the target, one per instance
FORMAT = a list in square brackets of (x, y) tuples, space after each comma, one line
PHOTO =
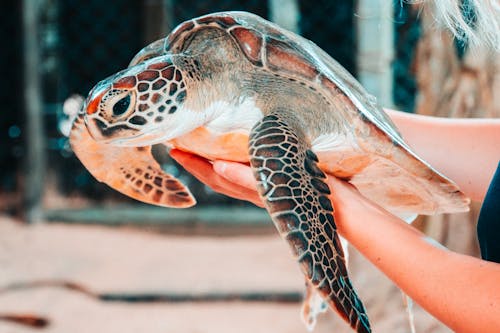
[(185, 10), (97, 40), (109, 41), (89, 41), (11, 117), (330, 24)]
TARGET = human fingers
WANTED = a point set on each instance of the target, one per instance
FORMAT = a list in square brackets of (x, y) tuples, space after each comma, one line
[(203, 170), (194, 164), (346, 196), (236, 173)]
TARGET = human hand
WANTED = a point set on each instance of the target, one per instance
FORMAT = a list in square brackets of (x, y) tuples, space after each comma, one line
[(229, 178), (236, 180), (397, 249)]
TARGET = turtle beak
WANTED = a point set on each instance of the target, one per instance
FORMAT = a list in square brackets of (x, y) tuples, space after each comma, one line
[(90, 109), (139, 140), (153, 50)]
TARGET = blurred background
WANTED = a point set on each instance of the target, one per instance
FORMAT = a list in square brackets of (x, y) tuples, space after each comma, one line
[(78, 257)]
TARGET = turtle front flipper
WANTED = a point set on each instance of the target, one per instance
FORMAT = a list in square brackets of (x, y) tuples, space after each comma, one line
[(131, 170), (293, 189)]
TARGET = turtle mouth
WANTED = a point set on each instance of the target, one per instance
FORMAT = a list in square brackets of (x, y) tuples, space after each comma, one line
[(152, 137)]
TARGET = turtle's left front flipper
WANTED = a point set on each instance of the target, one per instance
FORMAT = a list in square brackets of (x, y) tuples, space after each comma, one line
[(292, 188), (131, 170)]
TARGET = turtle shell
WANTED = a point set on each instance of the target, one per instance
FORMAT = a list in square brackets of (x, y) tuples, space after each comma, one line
[(273, 48)]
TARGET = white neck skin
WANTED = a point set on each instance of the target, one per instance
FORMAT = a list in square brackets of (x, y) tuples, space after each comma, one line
[(217, 105)]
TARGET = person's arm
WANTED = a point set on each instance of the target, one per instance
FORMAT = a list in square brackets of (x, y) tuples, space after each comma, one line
[(461, 291), (447, 284), (465, 150)]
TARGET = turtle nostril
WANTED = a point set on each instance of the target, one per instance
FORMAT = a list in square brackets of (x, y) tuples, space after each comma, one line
[(121, 106)]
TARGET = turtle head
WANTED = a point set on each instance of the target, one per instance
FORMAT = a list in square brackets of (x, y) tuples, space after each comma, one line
[(139, 105)]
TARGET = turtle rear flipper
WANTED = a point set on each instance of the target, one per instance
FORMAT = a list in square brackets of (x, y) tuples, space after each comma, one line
[(131, 170), (296, 196)]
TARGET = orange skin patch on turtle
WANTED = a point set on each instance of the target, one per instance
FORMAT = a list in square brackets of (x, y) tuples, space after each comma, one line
[(343, 165), (395, 197), (93, 105), (202, 141), (127, 82)]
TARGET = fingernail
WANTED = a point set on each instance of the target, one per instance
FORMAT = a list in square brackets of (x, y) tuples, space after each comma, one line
[(220, 167)]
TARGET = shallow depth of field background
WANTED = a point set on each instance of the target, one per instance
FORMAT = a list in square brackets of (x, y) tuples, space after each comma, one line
[(80, 257)]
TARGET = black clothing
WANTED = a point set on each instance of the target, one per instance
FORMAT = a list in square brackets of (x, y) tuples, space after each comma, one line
[(488, 225)]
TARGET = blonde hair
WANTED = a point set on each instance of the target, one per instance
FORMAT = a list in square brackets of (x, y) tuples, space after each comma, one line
[(483, 29)]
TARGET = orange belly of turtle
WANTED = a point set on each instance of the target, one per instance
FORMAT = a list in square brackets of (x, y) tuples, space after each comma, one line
[(232, 146)]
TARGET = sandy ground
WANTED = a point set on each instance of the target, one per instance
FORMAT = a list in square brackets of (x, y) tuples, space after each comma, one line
[(128, 261)]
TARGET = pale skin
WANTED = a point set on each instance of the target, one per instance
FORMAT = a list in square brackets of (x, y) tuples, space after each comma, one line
[(461, 291)]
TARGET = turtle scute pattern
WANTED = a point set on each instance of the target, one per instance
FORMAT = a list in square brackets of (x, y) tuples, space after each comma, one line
[(155, 96), (293, 189)]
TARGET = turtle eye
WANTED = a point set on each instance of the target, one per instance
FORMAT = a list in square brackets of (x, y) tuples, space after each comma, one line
[(121, 106), (117, 104)]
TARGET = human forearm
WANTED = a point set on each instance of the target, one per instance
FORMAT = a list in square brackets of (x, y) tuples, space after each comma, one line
[(461, 291), (465, 150)]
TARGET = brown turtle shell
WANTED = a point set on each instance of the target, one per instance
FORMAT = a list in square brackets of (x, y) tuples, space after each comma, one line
[(271, 47)]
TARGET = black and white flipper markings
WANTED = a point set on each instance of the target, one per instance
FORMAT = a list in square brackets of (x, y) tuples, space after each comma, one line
[(296, 196)]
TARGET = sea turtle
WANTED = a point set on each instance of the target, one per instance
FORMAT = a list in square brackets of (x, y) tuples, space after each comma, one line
[(234, 86)]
